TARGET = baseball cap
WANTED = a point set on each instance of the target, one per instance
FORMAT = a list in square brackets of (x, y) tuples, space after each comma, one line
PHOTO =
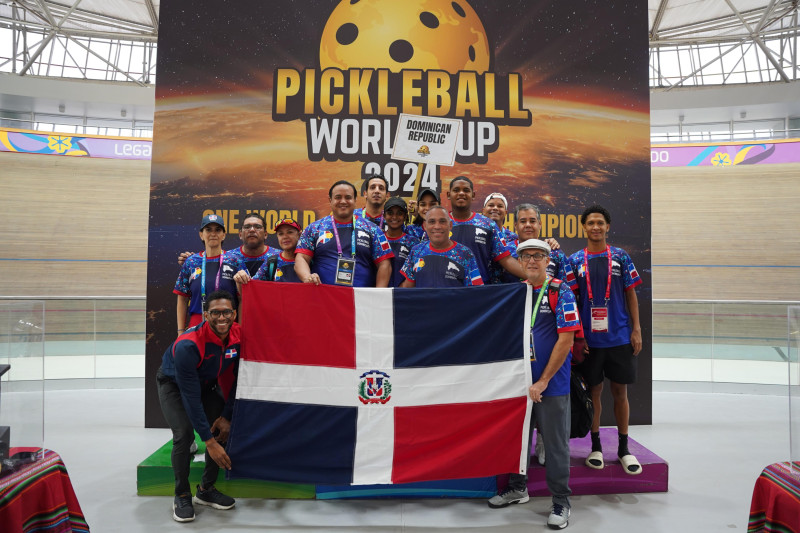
[(429, 191), (496, 195), (288, 222), (212, 219), (533, 244), (395, 201)]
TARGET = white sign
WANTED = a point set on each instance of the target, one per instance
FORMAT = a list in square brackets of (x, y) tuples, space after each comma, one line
[(426, 140)]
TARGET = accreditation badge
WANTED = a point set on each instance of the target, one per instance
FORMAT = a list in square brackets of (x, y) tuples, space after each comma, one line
[(599, 319), (345, 270)]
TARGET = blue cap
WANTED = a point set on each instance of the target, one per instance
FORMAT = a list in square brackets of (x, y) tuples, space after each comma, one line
[(212, 219)]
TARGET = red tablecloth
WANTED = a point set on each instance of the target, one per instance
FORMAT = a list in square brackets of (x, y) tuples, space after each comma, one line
[(39, 498), (776, 500)]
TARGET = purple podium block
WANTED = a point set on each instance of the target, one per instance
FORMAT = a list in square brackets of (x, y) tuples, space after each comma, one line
[(612, 479)]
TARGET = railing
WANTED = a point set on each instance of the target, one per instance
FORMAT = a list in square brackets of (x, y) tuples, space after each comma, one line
[(85, 337)]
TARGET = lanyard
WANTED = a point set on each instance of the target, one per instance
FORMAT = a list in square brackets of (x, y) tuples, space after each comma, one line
[(203, 277), (352, 237), (535, 310), (588, 281)]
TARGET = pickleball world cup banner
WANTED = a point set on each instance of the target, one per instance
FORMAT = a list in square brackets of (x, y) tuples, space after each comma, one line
[(261, 106)]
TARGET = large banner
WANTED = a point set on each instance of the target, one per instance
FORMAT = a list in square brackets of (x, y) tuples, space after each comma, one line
[(261, 106)]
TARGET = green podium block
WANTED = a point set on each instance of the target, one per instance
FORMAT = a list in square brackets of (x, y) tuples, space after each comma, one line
[(154, 478)]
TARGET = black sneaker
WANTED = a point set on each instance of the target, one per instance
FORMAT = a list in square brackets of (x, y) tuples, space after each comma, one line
[(182, 510), (213, 498)]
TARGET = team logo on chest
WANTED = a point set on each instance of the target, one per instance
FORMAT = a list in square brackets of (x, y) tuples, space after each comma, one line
[(374, 387)]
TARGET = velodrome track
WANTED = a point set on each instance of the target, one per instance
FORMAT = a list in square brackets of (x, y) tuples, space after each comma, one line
[(78, 227)]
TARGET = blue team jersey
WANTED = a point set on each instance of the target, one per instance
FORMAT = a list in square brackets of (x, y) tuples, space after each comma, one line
[(319, 243), (378, 221), (416, 230), (623, 277), (453, 267), (253, 262), (484, 239), (284, 271), (401, 247), (546, 328), (189, 281)]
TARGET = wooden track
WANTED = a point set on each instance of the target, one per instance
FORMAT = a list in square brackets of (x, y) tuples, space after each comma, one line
[(78, 225), (714, 230)]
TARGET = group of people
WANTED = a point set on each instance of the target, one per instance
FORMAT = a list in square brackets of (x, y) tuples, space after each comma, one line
[(381, 245)]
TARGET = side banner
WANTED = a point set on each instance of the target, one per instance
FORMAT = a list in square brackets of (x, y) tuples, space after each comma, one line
[(262, 106)]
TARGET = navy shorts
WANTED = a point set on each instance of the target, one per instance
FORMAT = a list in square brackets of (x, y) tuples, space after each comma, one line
[(616, 363)]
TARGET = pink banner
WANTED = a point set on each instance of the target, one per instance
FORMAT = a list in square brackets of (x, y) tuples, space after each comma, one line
[(30, 142), (725, 155)]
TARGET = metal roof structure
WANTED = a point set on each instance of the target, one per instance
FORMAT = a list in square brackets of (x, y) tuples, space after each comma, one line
[(692, 42)]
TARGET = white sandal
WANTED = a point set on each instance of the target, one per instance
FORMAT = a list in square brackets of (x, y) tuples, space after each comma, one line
[(630, 464), (595, 460)]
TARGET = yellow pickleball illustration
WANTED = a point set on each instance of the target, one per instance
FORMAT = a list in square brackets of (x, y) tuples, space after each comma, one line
[(412, 34)]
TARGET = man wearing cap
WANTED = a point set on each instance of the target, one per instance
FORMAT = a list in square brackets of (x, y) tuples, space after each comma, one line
[(552, 332), (204, 273), (440, 262), (478, 233), (191, 401), (280, 267), (606, 279), (343, 249), (395, 212), (376, 191), (426, 199)]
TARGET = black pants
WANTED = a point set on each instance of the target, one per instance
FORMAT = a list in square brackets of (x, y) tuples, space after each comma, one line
[(183, 433)]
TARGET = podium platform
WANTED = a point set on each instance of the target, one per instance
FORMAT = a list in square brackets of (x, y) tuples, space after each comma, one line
[(154, 478), (612, 479)]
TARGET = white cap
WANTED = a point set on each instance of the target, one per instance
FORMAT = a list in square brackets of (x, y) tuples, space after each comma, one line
[(496, 195), (533, 244)]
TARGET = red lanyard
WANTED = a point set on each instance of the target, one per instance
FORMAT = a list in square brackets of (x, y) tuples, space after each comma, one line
[(589, 282)]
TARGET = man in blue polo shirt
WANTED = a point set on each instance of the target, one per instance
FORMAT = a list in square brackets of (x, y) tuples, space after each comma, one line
[(342, 249), (552, 335), (191, 401), (478, 233), (440, 262), (606, 279), (254, 251), (375, 191)]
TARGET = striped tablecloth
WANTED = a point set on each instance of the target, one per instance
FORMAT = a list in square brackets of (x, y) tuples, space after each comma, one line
[(39, 498), (776, 500)]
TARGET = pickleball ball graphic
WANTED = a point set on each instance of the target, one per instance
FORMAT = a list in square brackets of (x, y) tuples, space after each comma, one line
[(409, 34)]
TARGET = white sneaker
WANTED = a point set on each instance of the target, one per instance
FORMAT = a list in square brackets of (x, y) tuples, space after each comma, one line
[(507, 497), (559, 517), (538, 449)]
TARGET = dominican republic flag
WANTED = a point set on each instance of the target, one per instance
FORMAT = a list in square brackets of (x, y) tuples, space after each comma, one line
[(376, 386)]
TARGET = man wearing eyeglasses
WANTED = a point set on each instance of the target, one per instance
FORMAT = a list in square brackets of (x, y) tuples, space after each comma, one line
[(191, 401), (253, 251), (552, 332)]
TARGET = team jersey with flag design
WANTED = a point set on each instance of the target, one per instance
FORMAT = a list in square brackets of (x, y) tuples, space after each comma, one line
[(484, 239), (284, 271), (416, 230), (319, 243), (401, 247), (546, 328), (623, 277), (453, 267), (362, 213), (253, 262), (189, 283)]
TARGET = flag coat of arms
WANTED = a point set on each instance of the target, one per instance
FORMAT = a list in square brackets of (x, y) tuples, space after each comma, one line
[(359, 386)]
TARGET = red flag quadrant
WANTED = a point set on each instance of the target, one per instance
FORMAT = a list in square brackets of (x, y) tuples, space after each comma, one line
[(377, 386)]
